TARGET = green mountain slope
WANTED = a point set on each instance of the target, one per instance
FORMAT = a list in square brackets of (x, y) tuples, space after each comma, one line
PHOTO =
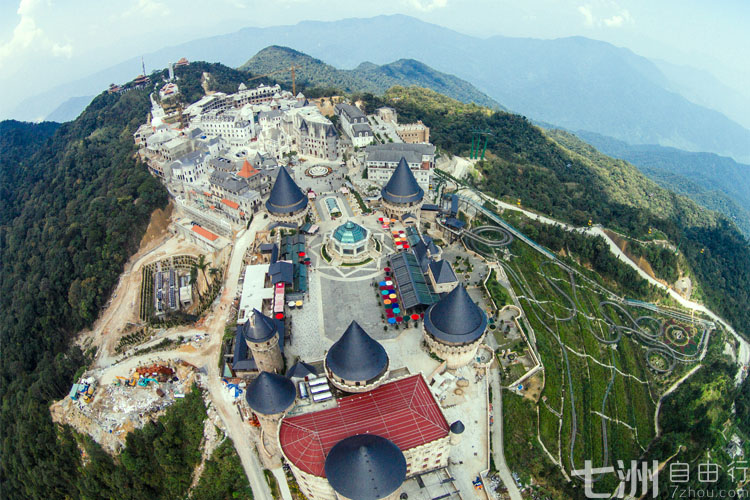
[(367, 77), (75, 204), (558, 174), (717, 182)]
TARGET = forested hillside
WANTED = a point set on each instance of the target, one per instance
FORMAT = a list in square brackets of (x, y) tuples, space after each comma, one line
[(716, 182), (367, 77), (557, 174), (75, 203)]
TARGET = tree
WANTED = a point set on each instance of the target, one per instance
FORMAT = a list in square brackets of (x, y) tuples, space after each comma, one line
[(214, 271), (202, 265), (194, 279)]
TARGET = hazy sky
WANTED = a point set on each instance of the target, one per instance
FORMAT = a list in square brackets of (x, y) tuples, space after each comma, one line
[(44, 43)]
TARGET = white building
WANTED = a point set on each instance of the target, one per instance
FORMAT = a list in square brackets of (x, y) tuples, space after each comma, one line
[(189, 168), (354, 123), (382, 159), (230, 125), (259, 95)]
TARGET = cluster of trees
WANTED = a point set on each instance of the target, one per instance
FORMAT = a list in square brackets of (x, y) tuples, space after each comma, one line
[(663, 261), (223, 476)]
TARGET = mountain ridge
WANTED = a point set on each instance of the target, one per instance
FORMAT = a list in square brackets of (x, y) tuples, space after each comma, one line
[(701, 173), (365, 77), (575, 82)]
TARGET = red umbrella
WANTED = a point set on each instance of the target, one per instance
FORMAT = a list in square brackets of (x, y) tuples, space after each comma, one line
[(388, 313), (279, 315), (301, 254), (387, 269), (415, 317), (399, 319)]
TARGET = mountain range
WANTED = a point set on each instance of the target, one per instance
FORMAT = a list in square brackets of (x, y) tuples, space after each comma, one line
[(366, 77), (716, 182), (576, 83)]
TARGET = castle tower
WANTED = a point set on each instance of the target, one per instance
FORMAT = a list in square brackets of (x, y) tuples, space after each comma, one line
[(366, 467), (454, 327), (262, 337), (402, 195), (286, 203), (270, 396), (356, 362)]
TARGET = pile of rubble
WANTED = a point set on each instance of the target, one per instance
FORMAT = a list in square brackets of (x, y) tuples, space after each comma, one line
[(129, 403)]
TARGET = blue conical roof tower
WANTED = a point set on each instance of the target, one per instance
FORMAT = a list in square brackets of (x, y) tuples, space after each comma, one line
[(357, 357), (270, 394), (402, 187), (262, 328), (286, 197), (455, 319), (365, 467)]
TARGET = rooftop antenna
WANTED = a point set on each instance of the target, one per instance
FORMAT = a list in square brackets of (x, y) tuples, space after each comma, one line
[(143, 66)]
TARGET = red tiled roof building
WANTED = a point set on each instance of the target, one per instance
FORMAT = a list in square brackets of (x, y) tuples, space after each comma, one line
[(403, 411)]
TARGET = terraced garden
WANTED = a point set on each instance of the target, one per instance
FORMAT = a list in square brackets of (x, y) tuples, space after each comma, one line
[(606, 361)]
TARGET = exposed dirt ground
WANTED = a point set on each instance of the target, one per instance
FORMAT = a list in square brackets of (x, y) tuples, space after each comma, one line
[(158, 225), (122, 309), (622, 243)]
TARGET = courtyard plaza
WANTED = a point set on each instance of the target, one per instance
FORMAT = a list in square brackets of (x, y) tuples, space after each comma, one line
[(338, 294)]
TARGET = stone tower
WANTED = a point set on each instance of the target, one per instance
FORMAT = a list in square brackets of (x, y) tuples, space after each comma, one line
[(262, 337)]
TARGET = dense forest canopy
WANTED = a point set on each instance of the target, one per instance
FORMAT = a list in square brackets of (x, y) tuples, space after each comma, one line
[(77, 204)]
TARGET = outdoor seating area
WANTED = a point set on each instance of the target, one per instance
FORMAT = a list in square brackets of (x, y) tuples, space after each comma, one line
[(394, 313)]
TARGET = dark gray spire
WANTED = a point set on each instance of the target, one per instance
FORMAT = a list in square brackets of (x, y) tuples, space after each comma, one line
[(286, 197), (457, 427), (269, 394), (455, 319), (365, 467), (356, 356), (402, 187), (260, 329)]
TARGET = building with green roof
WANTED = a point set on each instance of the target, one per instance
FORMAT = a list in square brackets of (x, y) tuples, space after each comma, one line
[(350, 242)]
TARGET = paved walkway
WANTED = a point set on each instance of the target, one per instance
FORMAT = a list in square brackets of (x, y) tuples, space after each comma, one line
[(498, 447), (278, 473)]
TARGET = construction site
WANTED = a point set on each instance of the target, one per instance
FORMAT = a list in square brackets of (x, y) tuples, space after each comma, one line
[(107, 406)]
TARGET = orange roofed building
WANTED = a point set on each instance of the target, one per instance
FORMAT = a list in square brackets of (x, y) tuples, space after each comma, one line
[(247, 170)]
